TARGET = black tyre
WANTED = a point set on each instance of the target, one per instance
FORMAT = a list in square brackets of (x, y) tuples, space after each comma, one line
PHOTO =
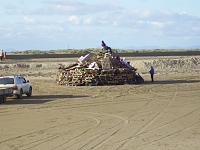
[(1, 99), (4, 99), (29, 94)]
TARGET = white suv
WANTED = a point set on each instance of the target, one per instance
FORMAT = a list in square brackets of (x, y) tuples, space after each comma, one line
[(18, 83)]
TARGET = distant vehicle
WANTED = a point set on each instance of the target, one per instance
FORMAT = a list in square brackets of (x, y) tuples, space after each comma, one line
[(18, 83)]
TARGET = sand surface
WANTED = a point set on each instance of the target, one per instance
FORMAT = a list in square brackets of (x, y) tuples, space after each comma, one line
[(164, 115)]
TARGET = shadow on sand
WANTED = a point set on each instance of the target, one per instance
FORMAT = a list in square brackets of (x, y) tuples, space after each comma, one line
[(40, 99), (172, 81)]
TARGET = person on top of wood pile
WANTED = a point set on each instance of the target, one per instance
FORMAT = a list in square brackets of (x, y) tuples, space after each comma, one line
[(105, 47)]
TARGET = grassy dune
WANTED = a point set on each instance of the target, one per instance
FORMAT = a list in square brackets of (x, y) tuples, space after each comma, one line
[(83, 51)]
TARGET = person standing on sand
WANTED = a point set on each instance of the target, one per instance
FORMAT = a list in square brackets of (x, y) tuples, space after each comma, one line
[(5, 55), (1, 54), (151, 71)]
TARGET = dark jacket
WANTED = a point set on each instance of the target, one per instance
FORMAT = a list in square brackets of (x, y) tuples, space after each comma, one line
[(151, 70)]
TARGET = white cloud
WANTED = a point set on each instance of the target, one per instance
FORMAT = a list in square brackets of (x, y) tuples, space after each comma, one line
[(88, 21), (158, 24), (145, 13), (29, 19), (79, 8), (74, 20), (66, 17), (115, 23), (4, 29), (67, 8)]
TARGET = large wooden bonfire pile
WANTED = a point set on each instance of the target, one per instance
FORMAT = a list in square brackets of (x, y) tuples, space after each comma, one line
[(97, 69)]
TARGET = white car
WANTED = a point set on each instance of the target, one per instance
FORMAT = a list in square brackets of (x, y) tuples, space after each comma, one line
[(18, 83)]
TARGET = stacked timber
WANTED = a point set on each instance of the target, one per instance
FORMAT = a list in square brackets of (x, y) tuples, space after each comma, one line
[(97, 69)]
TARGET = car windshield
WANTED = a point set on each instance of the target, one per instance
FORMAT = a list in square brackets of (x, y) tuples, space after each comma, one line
[(6, 81)]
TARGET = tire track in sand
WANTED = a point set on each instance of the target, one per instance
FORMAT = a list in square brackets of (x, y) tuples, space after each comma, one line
[(107, 132), (143, 128), (46, 139)]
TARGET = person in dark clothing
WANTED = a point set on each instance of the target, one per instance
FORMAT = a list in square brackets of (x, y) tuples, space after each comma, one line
[(151, 71), (1, 54), (105, 47), (103, 44)]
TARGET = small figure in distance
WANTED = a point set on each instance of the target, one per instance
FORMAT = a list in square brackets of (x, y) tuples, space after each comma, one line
[(5, 55), (2, 54), (151, 71), (105, 47)]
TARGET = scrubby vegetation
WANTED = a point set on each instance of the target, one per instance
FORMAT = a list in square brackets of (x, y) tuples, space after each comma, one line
[(83, 51)]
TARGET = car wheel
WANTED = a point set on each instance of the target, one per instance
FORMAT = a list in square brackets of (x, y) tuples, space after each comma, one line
[(20, 95), (1, 99), (4, 99), (29, 92)]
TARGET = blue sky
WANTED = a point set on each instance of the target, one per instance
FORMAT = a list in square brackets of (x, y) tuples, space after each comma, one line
[(61, 24)]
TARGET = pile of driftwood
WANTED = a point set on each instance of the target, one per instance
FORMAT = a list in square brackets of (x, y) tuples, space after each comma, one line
[(97, 69)]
